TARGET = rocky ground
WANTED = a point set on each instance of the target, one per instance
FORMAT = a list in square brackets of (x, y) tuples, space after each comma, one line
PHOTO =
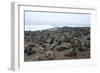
[(57, 44)]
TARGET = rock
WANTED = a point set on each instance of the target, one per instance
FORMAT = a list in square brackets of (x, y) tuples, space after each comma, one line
[(60, 48), (86, 46), (25, 50), (41, 50), (63, 46), (36, 58), (76, 43), (44, 46), (49, 55), (53, 45), (30, 51), (67, 39), (88, 38), (77, 34), (38, 49), (68, 52), (67, 34), (49, 40), (47, 45), (62, 38), (66, 44)]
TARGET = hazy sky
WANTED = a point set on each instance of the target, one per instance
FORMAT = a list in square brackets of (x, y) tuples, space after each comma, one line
[(44, 20)]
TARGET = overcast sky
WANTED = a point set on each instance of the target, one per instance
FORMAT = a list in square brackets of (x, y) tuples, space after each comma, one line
[(44, 20)]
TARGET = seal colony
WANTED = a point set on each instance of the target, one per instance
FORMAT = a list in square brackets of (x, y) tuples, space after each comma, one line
[(60, 43)]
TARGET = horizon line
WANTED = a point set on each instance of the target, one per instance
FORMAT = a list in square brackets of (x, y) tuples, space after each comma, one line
[(60, 27)]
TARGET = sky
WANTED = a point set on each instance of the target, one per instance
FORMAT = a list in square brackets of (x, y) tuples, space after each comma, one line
[(45, 20)]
